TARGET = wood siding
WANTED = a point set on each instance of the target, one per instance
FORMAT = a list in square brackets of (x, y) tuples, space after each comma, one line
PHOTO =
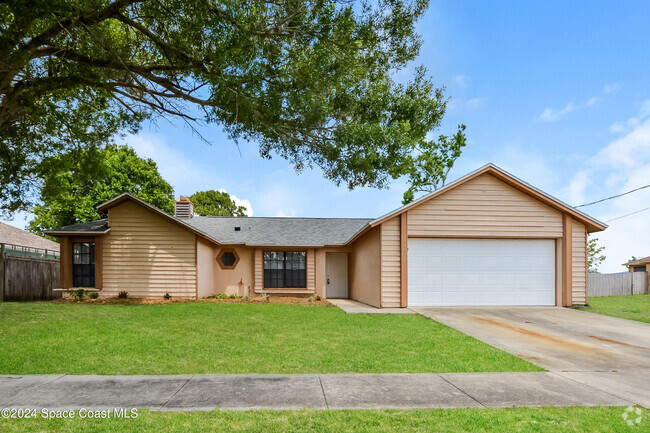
[(147, 255), (579, 264), (259, 269), (390, 262), (311, 270), (484, 207)]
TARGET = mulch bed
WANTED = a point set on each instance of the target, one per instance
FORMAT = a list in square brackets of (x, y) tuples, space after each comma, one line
[(287, 300)]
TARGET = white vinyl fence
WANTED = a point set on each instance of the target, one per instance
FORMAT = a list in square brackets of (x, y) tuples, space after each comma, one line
[(627, 283)]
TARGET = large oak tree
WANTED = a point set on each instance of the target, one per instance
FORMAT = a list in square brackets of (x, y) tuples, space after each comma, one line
[(310, 81)]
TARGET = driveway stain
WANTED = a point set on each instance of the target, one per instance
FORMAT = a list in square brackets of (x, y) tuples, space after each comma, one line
[(565, 344), (608, 340)]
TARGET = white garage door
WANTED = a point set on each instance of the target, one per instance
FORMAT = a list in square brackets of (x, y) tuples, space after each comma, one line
[(481, 272)]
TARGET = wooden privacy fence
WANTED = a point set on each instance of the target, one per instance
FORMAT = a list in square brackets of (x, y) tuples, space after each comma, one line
[(626, 283), (27, 274)]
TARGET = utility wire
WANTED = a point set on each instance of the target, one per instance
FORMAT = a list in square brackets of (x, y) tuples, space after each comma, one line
[(614, 196), (627, 215)]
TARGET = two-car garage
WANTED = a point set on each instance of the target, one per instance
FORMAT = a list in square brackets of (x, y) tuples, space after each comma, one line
[(488, 239), (481, 272)]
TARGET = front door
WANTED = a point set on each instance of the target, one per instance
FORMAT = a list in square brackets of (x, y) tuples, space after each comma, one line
[(337, 275)]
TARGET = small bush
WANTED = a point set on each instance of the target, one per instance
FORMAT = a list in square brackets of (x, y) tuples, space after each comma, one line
[(167, 296), (234, 296), (312, 298), (318, 298), (93, 295), (123, 295), (265, 296), (221, 296), (78, 294)]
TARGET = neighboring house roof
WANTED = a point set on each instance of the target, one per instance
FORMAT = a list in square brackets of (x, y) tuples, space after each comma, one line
[(643, 261), (502, 175), (280, 231), (15, 236), (91, 227)]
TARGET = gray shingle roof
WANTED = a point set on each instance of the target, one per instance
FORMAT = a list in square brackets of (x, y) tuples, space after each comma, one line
[(280, 231), (16, 236), (99, 226)]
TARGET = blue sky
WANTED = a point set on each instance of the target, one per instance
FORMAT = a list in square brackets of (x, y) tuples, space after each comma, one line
[(557, 93)]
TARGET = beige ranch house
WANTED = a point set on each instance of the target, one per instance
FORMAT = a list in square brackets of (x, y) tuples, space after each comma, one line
[(485, 239)]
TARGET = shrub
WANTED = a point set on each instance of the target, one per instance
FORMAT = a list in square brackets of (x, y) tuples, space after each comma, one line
[(167, 296), (93, 295), (78, 294), (318, 298), (234, 296), (312, 298), (221, 296), (265, 296), (123, 295)]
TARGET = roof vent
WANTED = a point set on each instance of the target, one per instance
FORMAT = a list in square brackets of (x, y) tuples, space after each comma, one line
[(237, 229), (184, 208)]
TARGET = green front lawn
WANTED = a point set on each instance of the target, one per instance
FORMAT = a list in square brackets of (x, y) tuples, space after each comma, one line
[(636, 307), (546, 420), (200, 338)]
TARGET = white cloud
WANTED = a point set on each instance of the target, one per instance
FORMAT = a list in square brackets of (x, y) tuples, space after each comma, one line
[(461, 81), (185, 175), (621, 166), (240, 202), (459, 104), (550, 114), (633, 122), (554, 114)]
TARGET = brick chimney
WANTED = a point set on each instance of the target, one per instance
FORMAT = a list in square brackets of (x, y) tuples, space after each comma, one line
[(184, 208)]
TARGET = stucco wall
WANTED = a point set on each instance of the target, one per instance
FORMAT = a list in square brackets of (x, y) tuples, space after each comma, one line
[(238, 281), (364, 278), (147, 255), (206, 263)]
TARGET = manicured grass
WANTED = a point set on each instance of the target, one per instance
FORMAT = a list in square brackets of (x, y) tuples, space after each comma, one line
[(546, 420), (636, 307), (196, 338)]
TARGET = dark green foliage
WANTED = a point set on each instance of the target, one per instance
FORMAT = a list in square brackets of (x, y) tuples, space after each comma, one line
[(310, 81), (123, 295), (80, 180), (216, 203)]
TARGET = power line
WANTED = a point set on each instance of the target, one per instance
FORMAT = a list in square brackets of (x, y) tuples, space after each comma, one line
[(627, 215), (614, 196)]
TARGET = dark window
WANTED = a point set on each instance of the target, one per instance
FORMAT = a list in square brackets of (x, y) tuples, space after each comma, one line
[(639, 268), (228, 258), (83, 264), (285, 269)]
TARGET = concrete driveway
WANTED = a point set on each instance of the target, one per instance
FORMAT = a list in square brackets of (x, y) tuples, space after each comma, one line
[(557, 339)]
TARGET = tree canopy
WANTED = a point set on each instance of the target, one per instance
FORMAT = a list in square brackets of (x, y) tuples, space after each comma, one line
[(310, 81), (216, 203), (71, 193), (595, 255)]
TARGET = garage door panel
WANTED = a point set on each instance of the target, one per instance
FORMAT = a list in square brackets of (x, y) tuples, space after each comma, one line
[(481, 272)]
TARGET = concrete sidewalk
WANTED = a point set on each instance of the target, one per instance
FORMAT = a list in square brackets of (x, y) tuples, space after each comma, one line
[(326, 391)]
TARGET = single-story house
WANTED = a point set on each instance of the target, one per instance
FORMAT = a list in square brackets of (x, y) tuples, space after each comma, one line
[(639, 265), (488, 238)]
